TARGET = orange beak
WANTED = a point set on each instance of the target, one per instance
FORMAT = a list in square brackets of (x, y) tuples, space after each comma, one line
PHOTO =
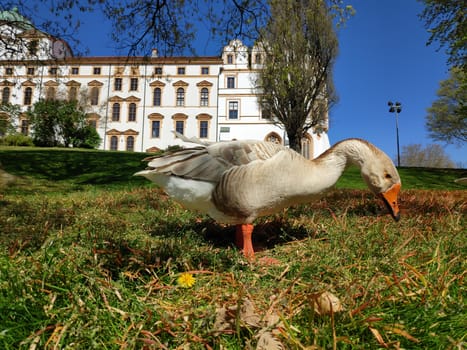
[(390, 199)]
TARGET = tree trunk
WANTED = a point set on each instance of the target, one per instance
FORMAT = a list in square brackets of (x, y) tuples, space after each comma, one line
[(295, 142)]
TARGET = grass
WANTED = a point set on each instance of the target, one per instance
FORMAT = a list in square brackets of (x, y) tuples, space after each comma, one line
[(90, 257)]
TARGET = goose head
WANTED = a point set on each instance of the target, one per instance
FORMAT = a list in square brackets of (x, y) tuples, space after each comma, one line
[(383, 180)]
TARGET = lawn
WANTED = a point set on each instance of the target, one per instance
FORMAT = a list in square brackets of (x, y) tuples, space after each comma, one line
[(91, 258)]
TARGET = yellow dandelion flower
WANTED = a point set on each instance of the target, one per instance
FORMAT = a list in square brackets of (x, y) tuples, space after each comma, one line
[(186, 280)]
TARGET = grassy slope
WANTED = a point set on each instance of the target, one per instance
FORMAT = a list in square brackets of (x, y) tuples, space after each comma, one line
[(90, 167), (90, 257)]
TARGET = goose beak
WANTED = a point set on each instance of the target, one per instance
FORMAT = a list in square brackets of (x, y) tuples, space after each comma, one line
[(390, 199)]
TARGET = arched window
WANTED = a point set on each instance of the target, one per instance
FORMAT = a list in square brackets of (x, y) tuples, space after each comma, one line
[(50, 94), (6, 95), (180, 97), (28, 96), (116, 112), (130, 143), (132, 112), (204, 99), (307, 147), (94, 96), (73, 93), (273, 137), (157, 97), (114, 143), (25, 127)]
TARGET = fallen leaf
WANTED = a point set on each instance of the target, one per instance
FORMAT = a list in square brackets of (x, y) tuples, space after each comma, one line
[(378, 337), (326, 304), (267, 341)]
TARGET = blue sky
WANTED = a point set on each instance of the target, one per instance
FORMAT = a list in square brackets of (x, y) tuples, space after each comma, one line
[(382, 57)]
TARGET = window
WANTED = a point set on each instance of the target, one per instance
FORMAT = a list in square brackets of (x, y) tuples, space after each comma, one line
[(25, 127), (96, 71), (230, 82), (114, 143), (116, 112), (3, 123), (258, 58), (229, 59), (27, 96), (233, 109), (180, 126), (32, 47), (203, 129), (50, 94), (158, 70), (132, 112), (118, 84), (94, 96), (204, 70), (130, 143), (156, 101), (181, 70), (53, 71), (156, 128), (8, 71), (5, 95), (204, 99), (74, 70), (30, 71), (73, 93), (133, 84), (180, 97)]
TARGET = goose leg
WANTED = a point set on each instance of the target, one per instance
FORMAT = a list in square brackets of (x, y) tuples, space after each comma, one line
[(243, 239)]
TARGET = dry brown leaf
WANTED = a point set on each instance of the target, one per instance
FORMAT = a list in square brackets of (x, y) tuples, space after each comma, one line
[(326, 304), (378, 337), (227, 316), (267, 341), (402, 332)]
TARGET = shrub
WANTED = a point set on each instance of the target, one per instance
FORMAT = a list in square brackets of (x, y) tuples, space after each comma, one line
[(16, 140)]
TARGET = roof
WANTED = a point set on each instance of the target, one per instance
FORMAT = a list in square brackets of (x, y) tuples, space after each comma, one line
[(15, 18)]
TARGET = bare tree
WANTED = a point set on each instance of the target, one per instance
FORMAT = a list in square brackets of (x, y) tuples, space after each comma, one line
[(432, 156), (141, 25), (296, 79)]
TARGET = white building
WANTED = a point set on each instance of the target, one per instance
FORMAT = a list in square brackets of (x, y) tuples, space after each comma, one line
[(135, 103)]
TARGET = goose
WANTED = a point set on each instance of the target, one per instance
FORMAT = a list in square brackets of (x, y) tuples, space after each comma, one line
[(236, 182)]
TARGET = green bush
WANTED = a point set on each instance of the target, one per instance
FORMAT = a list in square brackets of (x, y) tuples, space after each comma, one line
[(16, 140)]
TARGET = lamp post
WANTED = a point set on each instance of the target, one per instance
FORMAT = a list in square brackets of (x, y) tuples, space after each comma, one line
[(396, 108)]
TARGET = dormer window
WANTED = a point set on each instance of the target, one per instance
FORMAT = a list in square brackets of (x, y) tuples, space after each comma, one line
[(229, 59), (30, 71)]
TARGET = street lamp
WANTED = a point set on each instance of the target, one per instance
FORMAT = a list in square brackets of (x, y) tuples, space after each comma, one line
[(396, 108)]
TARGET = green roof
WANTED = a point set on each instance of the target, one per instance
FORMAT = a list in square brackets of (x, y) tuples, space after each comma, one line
[(15, 18)]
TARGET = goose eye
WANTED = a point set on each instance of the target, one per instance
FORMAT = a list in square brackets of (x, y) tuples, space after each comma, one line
[(388, 176)]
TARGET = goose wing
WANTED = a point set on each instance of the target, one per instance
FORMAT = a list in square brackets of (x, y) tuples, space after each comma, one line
[(209, 162)]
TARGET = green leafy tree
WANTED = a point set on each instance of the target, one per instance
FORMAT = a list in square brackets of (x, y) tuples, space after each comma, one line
[(445, 20), (447, 117), (296, 79), (61, 123), (432, 156), (8, 118)]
